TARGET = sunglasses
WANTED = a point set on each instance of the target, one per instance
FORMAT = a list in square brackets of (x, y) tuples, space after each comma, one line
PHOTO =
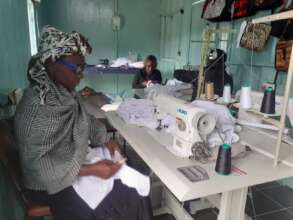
[(71, 66)]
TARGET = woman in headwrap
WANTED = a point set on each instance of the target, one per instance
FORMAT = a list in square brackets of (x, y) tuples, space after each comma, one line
[(52, 130)]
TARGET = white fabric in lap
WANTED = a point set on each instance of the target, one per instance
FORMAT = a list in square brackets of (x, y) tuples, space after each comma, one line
[(93, 189)]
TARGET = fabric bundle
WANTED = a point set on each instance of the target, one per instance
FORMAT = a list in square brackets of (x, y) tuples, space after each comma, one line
[(173, 90), (139, 112), (94, 189), (225, 124)]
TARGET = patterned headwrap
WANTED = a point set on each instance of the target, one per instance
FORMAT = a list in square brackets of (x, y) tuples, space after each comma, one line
[(53, 45)]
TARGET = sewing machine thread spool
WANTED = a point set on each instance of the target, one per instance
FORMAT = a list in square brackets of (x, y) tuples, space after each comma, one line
[(209, 90), (223, 165), (268, 101), (245, 97), (227, 94)]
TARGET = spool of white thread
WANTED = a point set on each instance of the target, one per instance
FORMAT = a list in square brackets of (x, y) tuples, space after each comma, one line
[(227, 94), (245, 97)]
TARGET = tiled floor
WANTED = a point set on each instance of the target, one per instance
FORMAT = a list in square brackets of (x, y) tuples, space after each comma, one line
[(272, 201)]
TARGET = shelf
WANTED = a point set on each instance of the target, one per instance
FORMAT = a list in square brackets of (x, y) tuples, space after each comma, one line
[(265, 143)]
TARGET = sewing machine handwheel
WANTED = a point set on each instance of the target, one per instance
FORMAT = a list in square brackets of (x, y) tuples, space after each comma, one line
[(206, 124)]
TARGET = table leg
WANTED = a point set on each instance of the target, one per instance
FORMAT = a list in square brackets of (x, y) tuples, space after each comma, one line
[(175, 207), (232, 205)]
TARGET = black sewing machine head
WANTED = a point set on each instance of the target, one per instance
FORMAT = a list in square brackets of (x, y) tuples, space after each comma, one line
[(216, 57)]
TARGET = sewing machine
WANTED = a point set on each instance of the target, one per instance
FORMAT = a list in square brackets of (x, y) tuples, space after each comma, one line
[(192, 124)]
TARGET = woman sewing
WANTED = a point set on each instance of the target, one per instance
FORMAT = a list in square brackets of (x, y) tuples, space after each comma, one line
[(148, 75), (52, 130)]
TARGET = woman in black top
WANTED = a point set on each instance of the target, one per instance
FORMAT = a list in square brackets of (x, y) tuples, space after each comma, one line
[(149, 74)]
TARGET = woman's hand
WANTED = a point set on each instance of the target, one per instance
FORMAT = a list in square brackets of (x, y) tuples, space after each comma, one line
[(113, 146), (103, 169), (145, 83), (106, 168)]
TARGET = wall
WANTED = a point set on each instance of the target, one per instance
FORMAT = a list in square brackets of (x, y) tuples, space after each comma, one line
[(175, 31), (246, 66), (140, 31), (10, 207), (253, 68), (14, 44), (15, 53)]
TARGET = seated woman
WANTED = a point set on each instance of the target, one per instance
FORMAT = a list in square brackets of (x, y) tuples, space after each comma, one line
[(149, 74), (52, 130)]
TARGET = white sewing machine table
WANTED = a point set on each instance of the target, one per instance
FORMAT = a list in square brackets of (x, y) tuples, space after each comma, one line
[(233, 188)]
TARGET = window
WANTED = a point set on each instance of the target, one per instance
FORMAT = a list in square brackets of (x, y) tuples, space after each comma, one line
[(32, 26)]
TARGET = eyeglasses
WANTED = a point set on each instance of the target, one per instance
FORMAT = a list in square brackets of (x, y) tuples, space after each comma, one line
[(71, 66)]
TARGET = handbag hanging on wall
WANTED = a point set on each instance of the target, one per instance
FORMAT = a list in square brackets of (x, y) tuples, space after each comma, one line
[(255, 36), (217, 10), (283, 29), (267, 4), (243, 8), (283, 53)]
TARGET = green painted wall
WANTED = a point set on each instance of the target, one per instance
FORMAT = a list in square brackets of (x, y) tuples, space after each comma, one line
[(15, 53), (180, 35), (14, 43), (140, 31), (10, 207), (188, 37)]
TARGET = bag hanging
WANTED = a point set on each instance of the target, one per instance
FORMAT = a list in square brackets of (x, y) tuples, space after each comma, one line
[(255, 36), (217, 10), (267, 4), (283, 29), (243, 8), (283, 53)]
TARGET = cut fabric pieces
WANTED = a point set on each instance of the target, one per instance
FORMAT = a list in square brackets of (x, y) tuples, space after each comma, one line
[(173, 90), (168, 124), (93, 189), (138, 64), (139, 112), (123, 61), (173, 82)]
